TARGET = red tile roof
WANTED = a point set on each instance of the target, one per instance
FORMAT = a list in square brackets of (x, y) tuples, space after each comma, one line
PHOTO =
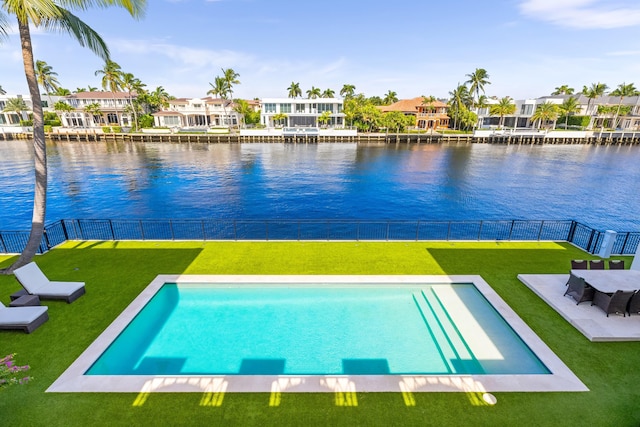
[(409, 105)]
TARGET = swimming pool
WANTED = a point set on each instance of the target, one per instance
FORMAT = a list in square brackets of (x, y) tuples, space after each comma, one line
[(374, 330)]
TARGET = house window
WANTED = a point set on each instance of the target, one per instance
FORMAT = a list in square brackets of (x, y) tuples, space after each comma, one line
[(325, 107), (285, 108), (172, 121), (2, 120), (269, 108), (112, 118), (45, 104), (197, 105), (300, 108), (526, 109)]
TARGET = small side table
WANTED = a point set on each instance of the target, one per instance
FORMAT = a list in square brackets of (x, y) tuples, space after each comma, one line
[(25, 300), (18, 294)]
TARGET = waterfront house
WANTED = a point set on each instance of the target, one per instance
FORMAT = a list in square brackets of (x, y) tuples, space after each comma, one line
[(627, 120), (197, 113), (292, 112), (11, 119), (110, 109), (428, 114)]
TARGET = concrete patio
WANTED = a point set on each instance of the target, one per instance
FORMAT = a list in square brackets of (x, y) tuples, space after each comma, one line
[(589, 320)]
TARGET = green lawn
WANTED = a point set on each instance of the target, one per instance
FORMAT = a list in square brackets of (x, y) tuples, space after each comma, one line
[(115, 272)]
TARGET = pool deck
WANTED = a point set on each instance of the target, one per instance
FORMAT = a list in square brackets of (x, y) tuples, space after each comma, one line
[(560, 378), (592, 322)]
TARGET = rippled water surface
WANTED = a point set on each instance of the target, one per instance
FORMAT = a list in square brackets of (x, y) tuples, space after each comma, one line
[(595, 185)]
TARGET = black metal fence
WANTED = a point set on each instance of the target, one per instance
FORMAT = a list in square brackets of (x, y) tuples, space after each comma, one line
[(574, 232)]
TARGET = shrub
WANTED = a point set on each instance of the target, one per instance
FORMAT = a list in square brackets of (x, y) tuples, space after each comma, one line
[(26, 122), (54, 122), (582, 121), (48, 128), (106, 129), (146, 121), (116, 129)]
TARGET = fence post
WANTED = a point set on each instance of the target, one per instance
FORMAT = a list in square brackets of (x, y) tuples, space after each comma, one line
[(572, 231), (113, 234), (588, 248), (173, 237), (64, 230), (46, 239), (540, 231), (624, 244), (387, 233), (4, 247), (513, 223), (141, 229), (480, 231)]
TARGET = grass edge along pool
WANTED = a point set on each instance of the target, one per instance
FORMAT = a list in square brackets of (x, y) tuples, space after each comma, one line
[(560, 377)]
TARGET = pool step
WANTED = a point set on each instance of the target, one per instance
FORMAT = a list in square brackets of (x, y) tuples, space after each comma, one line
[(453, 349)]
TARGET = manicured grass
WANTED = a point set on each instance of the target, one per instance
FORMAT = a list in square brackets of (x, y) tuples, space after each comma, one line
[(115, 272)]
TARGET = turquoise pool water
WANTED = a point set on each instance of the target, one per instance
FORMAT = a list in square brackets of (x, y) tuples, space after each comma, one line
[(318, 330)]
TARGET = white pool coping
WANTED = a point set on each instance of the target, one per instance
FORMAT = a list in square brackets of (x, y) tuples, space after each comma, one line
[(560, 379)]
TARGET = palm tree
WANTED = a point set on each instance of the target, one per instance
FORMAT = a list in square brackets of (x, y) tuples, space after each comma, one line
[(95, 111), (2, 92), (62, 92), (50, 15), (294, 90), (596, 90), (80, 90), (111, 79), (478, 79), (328, 93), (220, 88), (503, 108), (347, 91), (243, 109), (390, 98), (623, 90), (231, 78), (15, 105), (563, 90), (132, 84), (568, 107), (547, 112), (459, 100), (313, 93), (47, 78)]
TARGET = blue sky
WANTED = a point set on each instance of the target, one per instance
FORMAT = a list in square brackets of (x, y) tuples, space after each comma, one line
[(413, 47)]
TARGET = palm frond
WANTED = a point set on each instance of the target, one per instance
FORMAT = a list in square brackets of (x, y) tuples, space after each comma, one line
[(85, 35), (135, 7)]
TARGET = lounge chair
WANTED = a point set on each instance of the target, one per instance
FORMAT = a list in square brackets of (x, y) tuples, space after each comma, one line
[(634, 304), (616, 264), (578, 264), (578, 289), (612, 303), (25, 318), (596, 264), (35, 282)]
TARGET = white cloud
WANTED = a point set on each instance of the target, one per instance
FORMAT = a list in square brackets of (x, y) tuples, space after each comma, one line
[(583, 14)]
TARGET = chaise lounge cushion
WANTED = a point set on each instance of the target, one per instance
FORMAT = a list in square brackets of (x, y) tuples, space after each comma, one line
[(25, 318), (36, 283)]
